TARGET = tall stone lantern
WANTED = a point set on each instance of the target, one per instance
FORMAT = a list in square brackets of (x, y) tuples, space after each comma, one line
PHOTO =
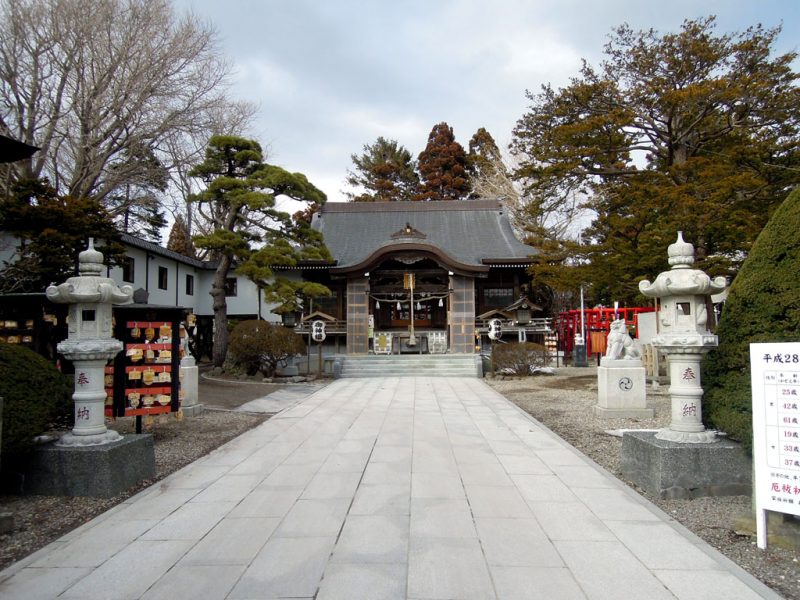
[(89, 344), (684, 338)]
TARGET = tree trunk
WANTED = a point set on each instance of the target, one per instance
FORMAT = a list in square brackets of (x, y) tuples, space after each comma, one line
[(220, 311)]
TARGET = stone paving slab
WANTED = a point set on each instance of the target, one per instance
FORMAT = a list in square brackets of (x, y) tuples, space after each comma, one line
[(280, 399), (398, 488)]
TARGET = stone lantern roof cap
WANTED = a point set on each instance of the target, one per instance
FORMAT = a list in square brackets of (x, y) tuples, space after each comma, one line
[(90, 261), (681, 253)]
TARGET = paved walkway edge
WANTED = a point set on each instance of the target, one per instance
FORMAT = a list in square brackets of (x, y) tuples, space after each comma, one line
[(746, 578)]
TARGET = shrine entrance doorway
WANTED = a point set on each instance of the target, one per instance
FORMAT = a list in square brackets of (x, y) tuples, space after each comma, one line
[(408, 306)]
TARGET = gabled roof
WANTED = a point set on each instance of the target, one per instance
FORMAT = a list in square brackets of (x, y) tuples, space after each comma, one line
[(475, 233), (522, 303), (494, 313), (318, 314)]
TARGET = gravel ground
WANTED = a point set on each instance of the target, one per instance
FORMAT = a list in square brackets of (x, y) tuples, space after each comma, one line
[(719, 521)]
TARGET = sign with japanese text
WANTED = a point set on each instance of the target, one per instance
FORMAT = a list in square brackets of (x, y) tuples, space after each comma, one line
[(775, 371)]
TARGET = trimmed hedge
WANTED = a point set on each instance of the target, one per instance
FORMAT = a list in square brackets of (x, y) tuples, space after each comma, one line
[(763, 306), (35, 396)]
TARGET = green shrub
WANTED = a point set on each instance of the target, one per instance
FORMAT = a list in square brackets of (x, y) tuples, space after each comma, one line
[(519, 358), (763, 306), (261, 346), (35, 395)]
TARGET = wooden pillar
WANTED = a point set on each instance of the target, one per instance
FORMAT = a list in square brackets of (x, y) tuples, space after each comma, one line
[(462, 315), (357, 316)]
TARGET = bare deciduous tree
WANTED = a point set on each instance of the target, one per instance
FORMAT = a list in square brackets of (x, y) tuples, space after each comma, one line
[(188, 149), (116, 93), (559, 219)]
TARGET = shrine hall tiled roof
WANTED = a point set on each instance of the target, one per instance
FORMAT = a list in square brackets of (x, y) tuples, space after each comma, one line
[(472, 232)]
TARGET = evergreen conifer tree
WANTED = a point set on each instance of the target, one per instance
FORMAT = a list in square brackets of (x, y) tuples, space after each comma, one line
[(384, 172), (484, 158), (53, 230), (763, 306), (690, 130), (443, 167), (239, 207)]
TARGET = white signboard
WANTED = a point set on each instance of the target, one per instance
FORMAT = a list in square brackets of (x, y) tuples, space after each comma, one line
[(318, 331), (775, 370)]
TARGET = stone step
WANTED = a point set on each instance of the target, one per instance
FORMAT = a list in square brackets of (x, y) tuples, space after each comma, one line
[(427, 365)]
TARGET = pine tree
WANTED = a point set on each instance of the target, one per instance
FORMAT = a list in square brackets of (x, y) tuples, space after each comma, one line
[(443, 167), (385, 172), (239, 207)]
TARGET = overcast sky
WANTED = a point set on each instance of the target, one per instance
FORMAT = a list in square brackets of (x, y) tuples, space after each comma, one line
[(330, 76)]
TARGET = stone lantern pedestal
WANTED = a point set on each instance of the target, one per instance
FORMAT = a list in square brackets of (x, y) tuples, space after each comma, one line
[(686, 392), (684, 460), (90, 395), (190, 379)]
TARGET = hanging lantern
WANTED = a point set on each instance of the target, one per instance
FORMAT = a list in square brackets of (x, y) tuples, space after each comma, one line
[(377, 303), (398, 305), (419, 306), (441, 303)]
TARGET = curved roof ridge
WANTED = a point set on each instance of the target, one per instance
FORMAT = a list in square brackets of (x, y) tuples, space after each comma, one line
[(411, 206)]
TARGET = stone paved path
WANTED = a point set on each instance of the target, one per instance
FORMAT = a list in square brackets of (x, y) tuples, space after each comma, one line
[(385, 488)]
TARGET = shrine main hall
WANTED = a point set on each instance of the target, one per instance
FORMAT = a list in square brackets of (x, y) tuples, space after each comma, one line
[(416, 276)]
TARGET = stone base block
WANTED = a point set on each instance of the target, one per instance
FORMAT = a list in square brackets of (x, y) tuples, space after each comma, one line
[(99, 471), (193, 411), (621, 390), (674, 470)]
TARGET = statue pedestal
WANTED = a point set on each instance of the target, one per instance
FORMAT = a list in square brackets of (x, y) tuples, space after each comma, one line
[(621, 387), (190, 380)]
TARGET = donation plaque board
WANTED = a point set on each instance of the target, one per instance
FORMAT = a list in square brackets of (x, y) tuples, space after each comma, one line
[(775, 371)]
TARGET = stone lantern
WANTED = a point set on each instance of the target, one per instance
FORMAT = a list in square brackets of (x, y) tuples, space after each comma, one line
[(683, 336), (89, 344)]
